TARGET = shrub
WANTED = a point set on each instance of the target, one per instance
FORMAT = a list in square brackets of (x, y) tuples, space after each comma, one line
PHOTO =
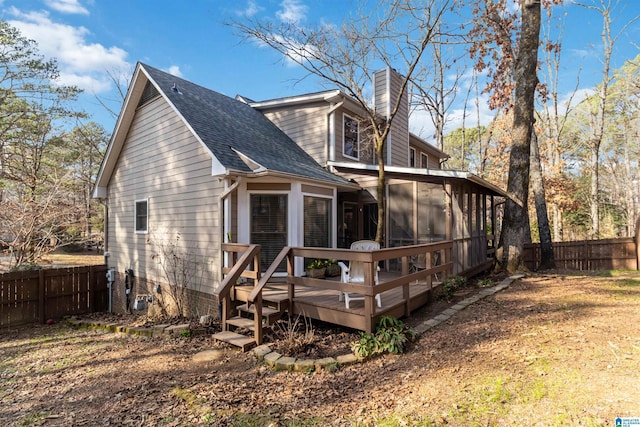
[(451, 285), (391, 336)]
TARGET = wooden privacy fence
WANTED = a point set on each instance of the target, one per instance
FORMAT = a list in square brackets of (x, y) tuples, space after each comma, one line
[(38, 295), (608, 254)]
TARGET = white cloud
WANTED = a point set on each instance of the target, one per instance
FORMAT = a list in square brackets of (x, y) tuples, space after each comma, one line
[(67, 6), (174, 70), (80, 62), (252, 9), (292, 11)]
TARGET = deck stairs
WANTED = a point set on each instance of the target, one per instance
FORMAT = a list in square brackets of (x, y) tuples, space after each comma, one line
[(239, 330)]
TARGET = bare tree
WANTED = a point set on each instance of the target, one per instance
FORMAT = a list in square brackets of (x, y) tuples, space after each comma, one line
[(395, 34), (597, 105), (435, 92)]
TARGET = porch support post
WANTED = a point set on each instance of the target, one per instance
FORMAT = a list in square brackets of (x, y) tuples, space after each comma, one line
[(290, 272), (446, 255), (406, 295), (369, 300)]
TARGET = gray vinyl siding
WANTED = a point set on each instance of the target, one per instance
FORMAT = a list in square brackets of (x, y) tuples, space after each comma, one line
[(163, 162), (385, 99), (400, 126), (306, 125)]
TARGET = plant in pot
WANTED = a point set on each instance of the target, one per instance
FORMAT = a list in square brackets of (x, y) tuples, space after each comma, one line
[(332, 268), (316, 268)]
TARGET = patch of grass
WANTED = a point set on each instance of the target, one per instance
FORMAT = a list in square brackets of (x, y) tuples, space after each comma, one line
[(491, 396), (250, 420), (397, 420), (33, 418), (193, 402)]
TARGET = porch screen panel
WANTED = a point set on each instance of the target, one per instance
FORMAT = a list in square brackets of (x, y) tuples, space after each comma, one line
[(269, 226), (401, 214), (432, 215), (317, 222)]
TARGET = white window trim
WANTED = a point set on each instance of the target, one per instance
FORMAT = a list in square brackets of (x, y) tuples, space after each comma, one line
[(412, 150), (135, 216), (357, 148), (426, 158)]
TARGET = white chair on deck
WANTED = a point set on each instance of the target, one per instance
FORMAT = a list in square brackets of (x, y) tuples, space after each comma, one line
[(354, 273)]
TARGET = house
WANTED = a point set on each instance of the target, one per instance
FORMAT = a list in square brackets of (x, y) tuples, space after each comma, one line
[(188, 169)]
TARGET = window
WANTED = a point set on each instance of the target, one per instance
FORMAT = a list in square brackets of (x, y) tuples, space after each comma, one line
[(424, 161), (412, 157), (350, 137), (317, 222), (269, 225), (142, 216)]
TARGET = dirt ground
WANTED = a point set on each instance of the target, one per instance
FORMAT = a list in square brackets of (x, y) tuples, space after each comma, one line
[(552, 349)]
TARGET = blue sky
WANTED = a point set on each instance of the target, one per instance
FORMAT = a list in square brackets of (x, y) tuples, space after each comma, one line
[(95, 40)]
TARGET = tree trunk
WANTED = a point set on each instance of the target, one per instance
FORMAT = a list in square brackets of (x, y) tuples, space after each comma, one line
[(595, 195), (547, 260), (381, 192), (516, 217)]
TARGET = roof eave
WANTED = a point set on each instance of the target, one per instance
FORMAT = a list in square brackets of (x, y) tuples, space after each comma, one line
[(439, 173)]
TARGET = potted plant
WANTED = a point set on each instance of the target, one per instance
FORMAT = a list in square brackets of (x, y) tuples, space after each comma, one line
[(332, 268), (316, 269)]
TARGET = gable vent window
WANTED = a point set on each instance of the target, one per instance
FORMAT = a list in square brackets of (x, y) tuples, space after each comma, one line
[(141, 215), (150, 93)]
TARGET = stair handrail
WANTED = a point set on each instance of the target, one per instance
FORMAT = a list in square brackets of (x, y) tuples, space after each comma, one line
[(224, 290), (257, 290)]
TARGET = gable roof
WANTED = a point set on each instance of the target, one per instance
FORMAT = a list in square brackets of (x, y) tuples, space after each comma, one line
[(240, 139)]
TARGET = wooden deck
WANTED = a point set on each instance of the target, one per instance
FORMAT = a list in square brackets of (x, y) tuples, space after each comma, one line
[(323, 304), (401, 292)]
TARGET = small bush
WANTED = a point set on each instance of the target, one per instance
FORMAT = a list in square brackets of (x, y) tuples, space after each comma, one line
[(391, 336), (451, 285), (484, 283)]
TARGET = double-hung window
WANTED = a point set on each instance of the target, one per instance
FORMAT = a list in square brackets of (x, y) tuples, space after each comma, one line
[(141, 215)]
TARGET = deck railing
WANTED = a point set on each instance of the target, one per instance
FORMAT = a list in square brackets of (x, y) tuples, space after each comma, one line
[(371, 259)]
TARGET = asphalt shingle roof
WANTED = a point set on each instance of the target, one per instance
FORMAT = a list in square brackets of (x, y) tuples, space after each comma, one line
[(225, 124)]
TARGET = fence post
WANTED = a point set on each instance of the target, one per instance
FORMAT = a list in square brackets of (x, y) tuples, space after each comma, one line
[(41, 299), (91, 284)]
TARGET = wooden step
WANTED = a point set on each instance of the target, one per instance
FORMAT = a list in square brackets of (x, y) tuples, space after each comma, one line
[(241, 292), (243, 322), (270, 314), (272, 296), (238, 340)]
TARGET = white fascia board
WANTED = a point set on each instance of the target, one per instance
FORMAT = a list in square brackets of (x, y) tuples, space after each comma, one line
[(293, 100), (252, 164)]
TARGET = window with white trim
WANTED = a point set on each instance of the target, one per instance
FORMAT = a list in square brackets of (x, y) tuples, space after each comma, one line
[(424, 161), (350, 137), (141, 216), (412, 157)]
